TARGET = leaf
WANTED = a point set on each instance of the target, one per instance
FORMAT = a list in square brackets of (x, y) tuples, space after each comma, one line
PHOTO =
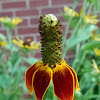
[(73, 22), (16, 66), (83, 34), (5, 80), (50, 94), (19, 73), (91, 45), (75, 0), (90, 1), (93, 96), (2, 37), (24, 88), (2, 96), (96, 4), (22, 69), (1, 53), (14, 49), (31, 61), (14, 58)]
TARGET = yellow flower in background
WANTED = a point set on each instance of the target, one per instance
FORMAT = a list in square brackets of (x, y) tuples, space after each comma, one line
[(28, 44), (16, 21), (13, 21), (10, 22), (94, 65), (91, 19), (5, 20), (1, 19), (96, 37), (70, 12), (94, 32), (2, 43), (97, 51), (87, 18)]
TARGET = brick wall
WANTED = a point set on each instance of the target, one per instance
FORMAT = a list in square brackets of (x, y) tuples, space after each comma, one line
[(30, 11)]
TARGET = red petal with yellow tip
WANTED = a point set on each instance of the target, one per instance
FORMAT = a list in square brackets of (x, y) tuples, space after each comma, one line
[(74, 74), (29, 74), (41, 81), (75, 79), (63, 82)]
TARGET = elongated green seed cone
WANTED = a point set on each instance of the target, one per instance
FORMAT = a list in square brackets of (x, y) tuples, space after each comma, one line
[(51, 41)]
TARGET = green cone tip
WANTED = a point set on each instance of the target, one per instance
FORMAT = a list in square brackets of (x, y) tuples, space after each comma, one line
[(50, 20), (51, 39)]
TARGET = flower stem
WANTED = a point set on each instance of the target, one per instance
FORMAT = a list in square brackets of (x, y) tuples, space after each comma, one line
[(75, 29), (89, 9), (66, 31), (76, 54), (9, 34)]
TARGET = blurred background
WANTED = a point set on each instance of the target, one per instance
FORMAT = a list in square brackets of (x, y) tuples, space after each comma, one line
[(30, 11), (20, 43)]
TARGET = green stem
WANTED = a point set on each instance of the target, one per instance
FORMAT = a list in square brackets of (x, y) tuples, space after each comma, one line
[(9, 35), (76, 55), (78, 45), (81, 62), (75, 29), (89, 9), (66, 30), (80, 20)]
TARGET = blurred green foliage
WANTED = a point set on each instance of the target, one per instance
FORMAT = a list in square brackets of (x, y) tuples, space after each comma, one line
[(13, 64), (83, 42)]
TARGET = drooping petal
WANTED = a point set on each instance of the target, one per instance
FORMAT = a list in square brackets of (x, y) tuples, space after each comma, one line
[(76, 84), (41, 81), (75, 80), (29, 74), (63, 81)]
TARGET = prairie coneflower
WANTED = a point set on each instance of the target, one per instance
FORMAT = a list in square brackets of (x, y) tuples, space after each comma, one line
[(52, 67), (87, 18), (28, 44)]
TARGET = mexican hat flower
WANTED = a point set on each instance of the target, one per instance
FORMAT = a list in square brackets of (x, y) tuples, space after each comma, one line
[(28, 44), (87, 18), (52, 67)]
